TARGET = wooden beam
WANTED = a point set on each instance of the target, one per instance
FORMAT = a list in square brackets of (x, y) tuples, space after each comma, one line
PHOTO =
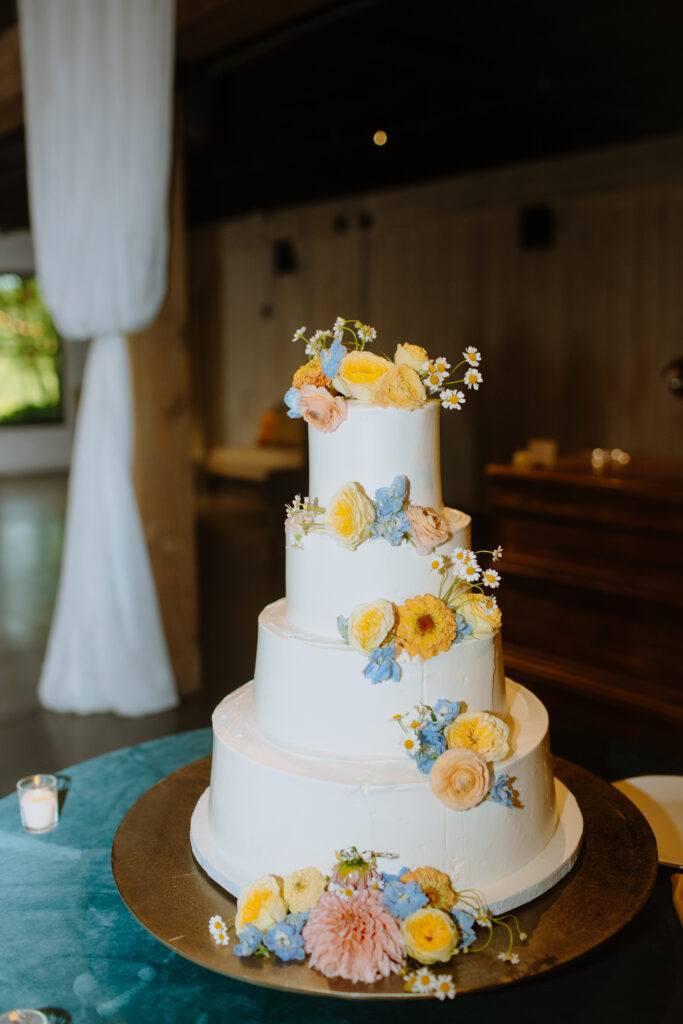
[(163, 470), (11, 93)]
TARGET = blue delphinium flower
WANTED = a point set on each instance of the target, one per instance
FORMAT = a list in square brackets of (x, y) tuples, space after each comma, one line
[(292, 399), (431, 735), (387, 877), (250, 939), (343, 627), (389, 500), (465, 923), (330, 359), (501, 791), (446, 710), (382, 665), (462, 627), (297, 921), (426, 759), (393, 527), (402, 899), (285, 941)]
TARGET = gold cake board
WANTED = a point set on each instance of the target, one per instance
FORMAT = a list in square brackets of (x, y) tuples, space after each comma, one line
[(167, 891)]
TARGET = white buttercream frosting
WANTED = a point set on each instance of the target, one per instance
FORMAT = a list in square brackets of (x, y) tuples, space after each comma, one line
[(372, 446)]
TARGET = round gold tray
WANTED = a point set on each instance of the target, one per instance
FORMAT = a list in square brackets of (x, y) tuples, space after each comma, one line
[(169, 894)]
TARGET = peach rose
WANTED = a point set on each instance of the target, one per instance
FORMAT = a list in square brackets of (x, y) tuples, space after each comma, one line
[(400, 387), (359, 375), (411, 355), (460, 778), (321, 410), (427, 529)]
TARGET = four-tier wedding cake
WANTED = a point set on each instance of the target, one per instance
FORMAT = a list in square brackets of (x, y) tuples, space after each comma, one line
[(379, 713)]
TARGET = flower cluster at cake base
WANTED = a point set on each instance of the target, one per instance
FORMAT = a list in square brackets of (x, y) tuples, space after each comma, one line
[(340, 369), (363, 924), (426, 625), (459, 750)]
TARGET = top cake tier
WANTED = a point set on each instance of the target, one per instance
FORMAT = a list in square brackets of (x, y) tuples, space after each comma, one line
[(374, 445)]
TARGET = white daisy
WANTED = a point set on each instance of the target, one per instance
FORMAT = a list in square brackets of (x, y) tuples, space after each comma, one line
[(509, 958), (491, 578), (472, 356), (376, 884), (338, 328), (433, 381), (473, 378), (488, 603), (452, 399), (498, 554), (219, 930), (365, 332), (441, 366), (470, 571), (345, 892), (299, 334), (444, 987), (409, 745), (422, 980), (320, 336), (461, 556)]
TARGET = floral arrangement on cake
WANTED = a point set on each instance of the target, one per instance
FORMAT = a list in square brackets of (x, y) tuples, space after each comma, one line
[(363, 924), (339, 368), (425, 625), (458, 750), (352, 517)]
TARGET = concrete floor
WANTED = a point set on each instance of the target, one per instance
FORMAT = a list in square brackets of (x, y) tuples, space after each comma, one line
[(31, 528)]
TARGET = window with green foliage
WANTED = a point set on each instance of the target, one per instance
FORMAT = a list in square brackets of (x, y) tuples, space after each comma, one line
[(30, 356)]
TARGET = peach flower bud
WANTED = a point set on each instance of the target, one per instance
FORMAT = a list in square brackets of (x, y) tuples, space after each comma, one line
[(321, 410), (460, 778), (427, 529)]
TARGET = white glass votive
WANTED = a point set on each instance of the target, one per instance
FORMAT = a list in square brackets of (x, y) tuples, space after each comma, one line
[(39, 807), (23, 1016)]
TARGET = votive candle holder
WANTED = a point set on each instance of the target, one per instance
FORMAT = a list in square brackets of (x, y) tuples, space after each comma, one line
[(38, 803)]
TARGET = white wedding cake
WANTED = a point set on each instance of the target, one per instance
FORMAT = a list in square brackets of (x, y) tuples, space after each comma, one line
[(379, 713)]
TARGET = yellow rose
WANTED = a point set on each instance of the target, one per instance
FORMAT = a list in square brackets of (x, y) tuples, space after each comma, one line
[(481, 613), (359, 375), (261, 904), (369, 625), (303, 889), (349, 516), (430, 935), (400, 387), (413, 356), (480, 731)]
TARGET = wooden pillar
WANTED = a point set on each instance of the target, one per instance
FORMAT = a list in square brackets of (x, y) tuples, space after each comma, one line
[(163, 468)]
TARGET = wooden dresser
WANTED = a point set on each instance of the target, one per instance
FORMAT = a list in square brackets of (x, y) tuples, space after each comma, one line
[(592, 590)]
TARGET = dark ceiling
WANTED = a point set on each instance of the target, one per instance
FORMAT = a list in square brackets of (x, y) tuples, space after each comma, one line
[(288, 114)]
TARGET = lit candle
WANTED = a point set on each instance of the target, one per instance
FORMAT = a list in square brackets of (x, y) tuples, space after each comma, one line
[(38, 802), (23, 1017)]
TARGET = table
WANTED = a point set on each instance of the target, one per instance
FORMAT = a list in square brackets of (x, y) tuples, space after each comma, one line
[(67, 940)]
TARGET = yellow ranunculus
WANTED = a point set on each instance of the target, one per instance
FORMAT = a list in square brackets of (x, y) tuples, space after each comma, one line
[(413, 356), (349, 516), (480, 731), (400, 387), (482, 614), (359, 375), (369, 625), (303, 889), (430, 935), (261, 904)]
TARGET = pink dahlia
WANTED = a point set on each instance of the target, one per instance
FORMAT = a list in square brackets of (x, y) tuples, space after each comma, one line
[(354, 938)]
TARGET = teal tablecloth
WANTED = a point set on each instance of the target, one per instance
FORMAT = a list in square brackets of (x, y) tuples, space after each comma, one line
[(67, 940)]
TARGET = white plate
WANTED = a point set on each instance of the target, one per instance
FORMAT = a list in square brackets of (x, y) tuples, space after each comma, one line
[(659, 798)]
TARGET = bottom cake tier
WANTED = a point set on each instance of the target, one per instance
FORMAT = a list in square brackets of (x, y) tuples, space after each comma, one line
[(271, 811)]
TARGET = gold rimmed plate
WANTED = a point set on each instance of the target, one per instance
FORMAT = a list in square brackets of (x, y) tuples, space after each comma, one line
[(166, 890)]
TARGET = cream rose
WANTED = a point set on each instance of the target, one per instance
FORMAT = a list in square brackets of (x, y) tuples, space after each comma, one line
[(413, 356), (359, 375), (427, 529), (430, 935), (369, 625), (320, 409), (480, 731), (481, 613), (460, 778), (261, 904), (400, 387), (349, 516), (303, 889)]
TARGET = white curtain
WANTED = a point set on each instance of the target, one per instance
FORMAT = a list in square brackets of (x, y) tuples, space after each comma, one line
[(98, 109)]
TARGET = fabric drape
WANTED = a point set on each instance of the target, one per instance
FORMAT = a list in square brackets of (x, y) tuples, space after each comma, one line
[(98, 110)]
